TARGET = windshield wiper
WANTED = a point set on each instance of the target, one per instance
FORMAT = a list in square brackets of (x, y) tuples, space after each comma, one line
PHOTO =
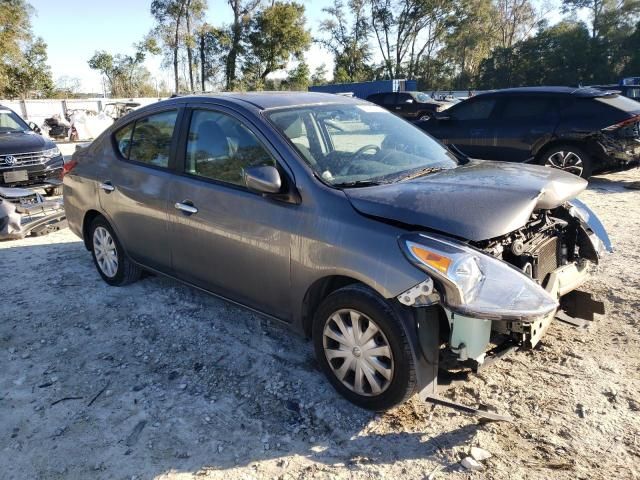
[(419, 173), (357, 183)]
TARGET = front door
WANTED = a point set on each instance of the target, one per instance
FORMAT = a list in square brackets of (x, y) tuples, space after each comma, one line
[(134, 182), (469, 127), (225, 238)]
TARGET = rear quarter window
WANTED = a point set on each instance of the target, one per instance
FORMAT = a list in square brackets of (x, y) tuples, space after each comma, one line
[(123, 140), (594, 112)]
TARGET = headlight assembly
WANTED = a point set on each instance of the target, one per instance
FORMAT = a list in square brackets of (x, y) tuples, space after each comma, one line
[(51, 152), (474, 284)]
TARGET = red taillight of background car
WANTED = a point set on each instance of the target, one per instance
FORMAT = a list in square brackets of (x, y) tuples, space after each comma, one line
[(625, 123), (70, 165)]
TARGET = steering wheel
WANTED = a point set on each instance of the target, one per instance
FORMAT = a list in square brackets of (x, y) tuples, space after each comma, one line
[(347, 168), (361, 150)]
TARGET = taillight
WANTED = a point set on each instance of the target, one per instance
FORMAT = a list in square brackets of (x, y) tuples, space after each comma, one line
[(70, 165), (625, 123)]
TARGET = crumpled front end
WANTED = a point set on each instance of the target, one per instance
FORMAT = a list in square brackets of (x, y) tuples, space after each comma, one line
[(24, 212), (537, 264)]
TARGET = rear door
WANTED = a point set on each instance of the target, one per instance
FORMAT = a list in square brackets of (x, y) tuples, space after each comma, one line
[(468, 126), (522, 125), (134, 186), (228, 240)]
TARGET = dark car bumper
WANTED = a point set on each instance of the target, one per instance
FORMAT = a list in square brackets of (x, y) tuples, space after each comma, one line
[(42, 173)]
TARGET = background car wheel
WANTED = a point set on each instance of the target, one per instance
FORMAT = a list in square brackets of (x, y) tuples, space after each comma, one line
[(568, 158), (362, 348), (114, 266), (53, 191)]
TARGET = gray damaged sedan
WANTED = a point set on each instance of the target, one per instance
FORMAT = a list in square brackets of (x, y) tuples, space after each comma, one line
[(342, 220)]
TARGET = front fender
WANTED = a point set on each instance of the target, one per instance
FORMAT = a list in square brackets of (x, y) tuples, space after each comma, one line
[(595, 229)]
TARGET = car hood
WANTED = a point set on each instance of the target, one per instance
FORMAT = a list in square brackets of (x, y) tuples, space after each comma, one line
[(27, 142), (476, 201)]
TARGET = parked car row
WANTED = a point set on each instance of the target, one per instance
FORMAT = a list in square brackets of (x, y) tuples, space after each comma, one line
[(345, 222)]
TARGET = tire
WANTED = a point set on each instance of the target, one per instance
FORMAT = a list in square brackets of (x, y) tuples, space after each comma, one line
[(370, 310), (575, 159), (53, 191), (105, 249)]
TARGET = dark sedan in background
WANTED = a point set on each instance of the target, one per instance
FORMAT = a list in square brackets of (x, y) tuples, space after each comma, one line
[(27, 158), (408, 105), (580, 130)]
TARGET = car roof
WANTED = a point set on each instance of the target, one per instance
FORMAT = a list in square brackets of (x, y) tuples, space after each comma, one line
[(582, 92), (268, 100)]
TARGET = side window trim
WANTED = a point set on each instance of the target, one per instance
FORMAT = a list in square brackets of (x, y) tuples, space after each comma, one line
[(180, 110)]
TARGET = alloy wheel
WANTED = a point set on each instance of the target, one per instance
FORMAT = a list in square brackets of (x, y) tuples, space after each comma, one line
[(104, 248), (568, 161), (358, 352)]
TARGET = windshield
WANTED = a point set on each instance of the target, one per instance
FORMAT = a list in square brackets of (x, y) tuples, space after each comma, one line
[(347, 145), (10, 122), (421, 97)]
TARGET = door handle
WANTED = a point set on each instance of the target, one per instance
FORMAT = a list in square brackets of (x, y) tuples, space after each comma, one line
[(186, 208), (107, 187)]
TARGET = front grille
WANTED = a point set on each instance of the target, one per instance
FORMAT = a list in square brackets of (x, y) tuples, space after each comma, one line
[(546, 259), (21, 160)]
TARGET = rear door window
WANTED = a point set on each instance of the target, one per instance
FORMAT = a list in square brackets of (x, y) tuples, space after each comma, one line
[(151, 139), (476, 109)]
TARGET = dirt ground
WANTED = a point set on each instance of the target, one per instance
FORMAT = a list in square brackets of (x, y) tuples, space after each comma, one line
[(159, 381)]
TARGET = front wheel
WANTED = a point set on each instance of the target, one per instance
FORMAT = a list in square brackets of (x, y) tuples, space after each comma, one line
[(568, 158), (362, 348)]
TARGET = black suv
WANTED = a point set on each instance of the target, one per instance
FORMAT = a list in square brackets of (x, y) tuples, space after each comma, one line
[(580, 130), (409, 105), (27, 158)]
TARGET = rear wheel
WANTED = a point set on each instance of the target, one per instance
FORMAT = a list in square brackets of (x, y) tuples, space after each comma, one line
[(113, 265), (362, 348), (569, 158)]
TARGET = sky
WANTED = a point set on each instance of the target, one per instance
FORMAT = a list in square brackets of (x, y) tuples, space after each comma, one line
[(75, 29)]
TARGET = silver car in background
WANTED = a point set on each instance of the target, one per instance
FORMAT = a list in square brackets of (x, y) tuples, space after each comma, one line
[(340, 219)]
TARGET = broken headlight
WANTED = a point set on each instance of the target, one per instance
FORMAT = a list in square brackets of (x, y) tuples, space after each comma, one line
[(474, 284)]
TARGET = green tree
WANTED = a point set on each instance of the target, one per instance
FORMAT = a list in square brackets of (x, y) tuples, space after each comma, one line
[(346, 35), (277, 35), (319, 76), (23, 59), (470, 40), (242, 11), (605, 15), (30, 76), (125, 75), (298, 78), (169, 22)]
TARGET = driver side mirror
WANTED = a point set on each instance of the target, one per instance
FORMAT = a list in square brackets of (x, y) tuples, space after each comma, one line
[(262, 179), (35, 128)]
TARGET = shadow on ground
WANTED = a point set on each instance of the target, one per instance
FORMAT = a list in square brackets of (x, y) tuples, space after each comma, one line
[(103, 382)]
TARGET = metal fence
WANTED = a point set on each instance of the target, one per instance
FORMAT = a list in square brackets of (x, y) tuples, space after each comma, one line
[(37, 110)]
